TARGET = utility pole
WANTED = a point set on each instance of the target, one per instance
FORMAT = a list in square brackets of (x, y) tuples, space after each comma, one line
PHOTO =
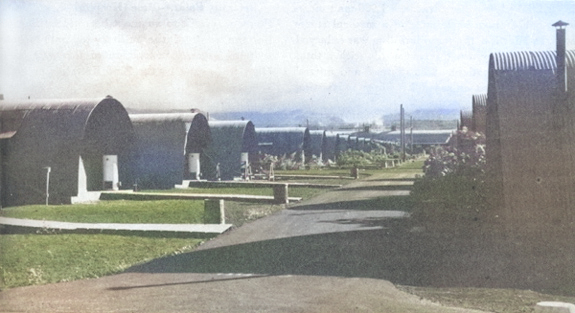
[(411, 135), (402, 131)]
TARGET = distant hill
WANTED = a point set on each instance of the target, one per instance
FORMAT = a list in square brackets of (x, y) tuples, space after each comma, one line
[(286, 118), (422, 119), (426, 119), (426, 114)]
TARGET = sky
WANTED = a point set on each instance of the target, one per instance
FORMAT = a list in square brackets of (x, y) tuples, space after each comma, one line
[(353, 59)]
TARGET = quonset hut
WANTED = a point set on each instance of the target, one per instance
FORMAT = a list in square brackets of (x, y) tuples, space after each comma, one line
[(352, 142), (342, 144), (65, 147), (465, 119), (168, 148), (331, 139), (281, 141), (234, 147), (318, 143), (530, 135), (425, 138), (479, 104)]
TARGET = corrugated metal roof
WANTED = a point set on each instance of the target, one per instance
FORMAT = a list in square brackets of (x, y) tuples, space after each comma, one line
[(421, 137), (529, 60), (162, 117), (13, 113), (263, 130), (317, 132), (51, 104), (235, 123), (479, 100)]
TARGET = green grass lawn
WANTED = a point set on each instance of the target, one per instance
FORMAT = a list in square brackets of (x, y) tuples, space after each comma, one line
[(363, 172), (48, 257), (118, 211), (35, 259), (346, 172), (294, 191)]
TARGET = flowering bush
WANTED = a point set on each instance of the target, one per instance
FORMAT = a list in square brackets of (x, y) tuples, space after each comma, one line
[(284, 162), (360, 158), (453, 187), (466, 156)]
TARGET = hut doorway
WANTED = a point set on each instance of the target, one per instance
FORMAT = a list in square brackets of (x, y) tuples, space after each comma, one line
[(111, 176), (92, 174), (97, 173), (82, 178), (194, 165)]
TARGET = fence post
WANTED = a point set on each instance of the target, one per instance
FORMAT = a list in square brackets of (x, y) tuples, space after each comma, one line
[(354, 172), (281, 193), (214, 212)]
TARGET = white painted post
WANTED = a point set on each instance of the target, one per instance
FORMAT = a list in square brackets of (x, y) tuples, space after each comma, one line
[(244, 157), (281, 193), (48, 170), (214, 211)]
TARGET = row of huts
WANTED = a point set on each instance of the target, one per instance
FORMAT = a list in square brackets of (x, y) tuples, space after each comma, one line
[(60, 151), (527, 116)]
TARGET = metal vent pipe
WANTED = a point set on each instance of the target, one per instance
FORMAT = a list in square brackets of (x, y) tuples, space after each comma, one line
[(561, 71)]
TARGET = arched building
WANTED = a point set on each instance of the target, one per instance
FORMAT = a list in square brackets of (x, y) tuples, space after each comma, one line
[(318, 143), (465, 119), (352, 142), (169, 148), (65, 147), (234, 147), (281, 141), (342, 144), (331, 140), (479, 104), (530, 135)]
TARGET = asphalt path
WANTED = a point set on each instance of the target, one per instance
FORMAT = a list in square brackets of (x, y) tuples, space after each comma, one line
[(327, 254)]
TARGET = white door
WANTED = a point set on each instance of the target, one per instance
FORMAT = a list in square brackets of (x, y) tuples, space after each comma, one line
[(194, 164), (111, 177), (245, 165)]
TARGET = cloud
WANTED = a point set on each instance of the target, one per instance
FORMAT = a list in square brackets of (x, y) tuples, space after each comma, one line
[(220, 55)]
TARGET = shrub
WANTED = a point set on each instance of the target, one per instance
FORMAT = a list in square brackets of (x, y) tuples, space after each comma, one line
[(360, 158), (465, 157), (453, 187)]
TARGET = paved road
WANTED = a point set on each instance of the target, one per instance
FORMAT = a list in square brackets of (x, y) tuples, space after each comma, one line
[(332, 253)]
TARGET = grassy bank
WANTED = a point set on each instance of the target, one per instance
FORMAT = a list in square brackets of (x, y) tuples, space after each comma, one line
[(119, 211), (48, 257), (35, 259)]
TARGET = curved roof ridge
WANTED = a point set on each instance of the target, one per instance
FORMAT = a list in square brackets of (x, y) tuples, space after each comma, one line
[(163, 117), (480, 99), (49, 104), (528, 60)]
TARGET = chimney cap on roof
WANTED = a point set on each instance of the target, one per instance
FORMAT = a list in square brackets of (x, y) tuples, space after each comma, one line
[(560, 24)]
